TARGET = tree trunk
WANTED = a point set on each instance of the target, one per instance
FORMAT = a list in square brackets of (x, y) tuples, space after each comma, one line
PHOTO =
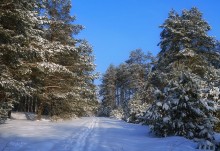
[(39, 111)]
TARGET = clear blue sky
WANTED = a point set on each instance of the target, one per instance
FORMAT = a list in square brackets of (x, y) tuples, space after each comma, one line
[(115, 27)]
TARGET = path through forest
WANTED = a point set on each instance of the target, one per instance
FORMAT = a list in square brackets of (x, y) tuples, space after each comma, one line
[(85, 134)]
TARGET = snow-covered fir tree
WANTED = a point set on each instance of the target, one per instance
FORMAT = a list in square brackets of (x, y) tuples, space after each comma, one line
[(185, 79)]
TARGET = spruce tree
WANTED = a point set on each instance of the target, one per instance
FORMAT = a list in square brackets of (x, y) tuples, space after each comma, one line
[(184, 79)]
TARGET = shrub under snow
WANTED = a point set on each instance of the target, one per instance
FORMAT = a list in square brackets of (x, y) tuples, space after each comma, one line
[(184, 107)]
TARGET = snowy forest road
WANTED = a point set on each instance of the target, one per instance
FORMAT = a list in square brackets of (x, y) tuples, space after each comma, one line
[(85, 134), (80, 141)]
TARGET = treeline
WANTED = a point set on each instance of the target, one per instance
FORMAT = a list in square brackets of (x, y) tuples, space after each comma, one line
[(124, 83), (176, 93), (44, 68)]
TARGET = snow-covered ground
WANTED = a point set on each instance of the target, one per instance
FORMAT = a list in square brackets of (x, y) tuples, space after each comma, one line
[(85, 134)]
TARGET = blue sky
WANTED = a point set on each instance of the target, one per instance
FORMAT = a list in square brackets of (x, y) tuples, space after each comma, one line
[(116, 27)]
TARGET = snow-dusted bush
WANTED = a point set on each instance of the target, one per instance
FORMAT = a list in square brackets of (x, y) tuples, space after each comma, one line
[(136, 108), (184, 107), (117, 114)]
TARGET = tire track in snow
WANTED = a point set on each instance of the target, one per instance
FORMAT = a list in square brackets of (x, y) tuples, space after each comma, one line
[(68, 143), (93, 137), (77, 140), (81, 141)]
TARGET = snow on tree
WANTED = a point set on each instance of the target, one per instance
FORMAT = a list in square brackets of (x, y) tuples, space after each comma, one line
[(184, 107), (217, 46), (121, 85), (40, 60), (70, 89), (61, 27), (117, 113), (17, 31), (86, 79), (57, 80), (184, 79), (139, 67), (131, 82), (107, 91), (136, 109)]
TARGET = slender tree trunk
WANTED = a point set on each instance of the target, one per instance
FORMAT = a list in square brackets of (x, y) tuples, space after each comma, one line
[(40, 110)]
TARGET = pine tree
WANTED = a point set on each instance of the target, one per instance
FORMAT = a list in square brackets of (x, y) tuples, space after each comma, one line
[(217, 46), (122, 85), (21, 48), (17, 31), (108, 91), (68, 91), (126, 82), (61, 27), (131, 77), (40, 73), (184, 79), (139, 67), (88, 91), (136, 109)]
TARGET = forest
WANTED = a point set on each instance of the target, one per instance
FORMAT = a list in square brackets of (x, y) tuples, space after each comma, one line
[(46, 70)]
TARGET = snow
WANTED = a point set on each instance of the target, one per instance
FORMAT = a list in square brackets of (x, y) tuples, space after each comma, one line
[(165, 106), (53, 67), (85, 134), (159, 104)]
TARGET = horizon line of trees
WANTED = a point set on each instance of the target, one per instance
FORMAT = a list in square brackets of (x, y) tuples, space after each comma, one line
[(125, 82)]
